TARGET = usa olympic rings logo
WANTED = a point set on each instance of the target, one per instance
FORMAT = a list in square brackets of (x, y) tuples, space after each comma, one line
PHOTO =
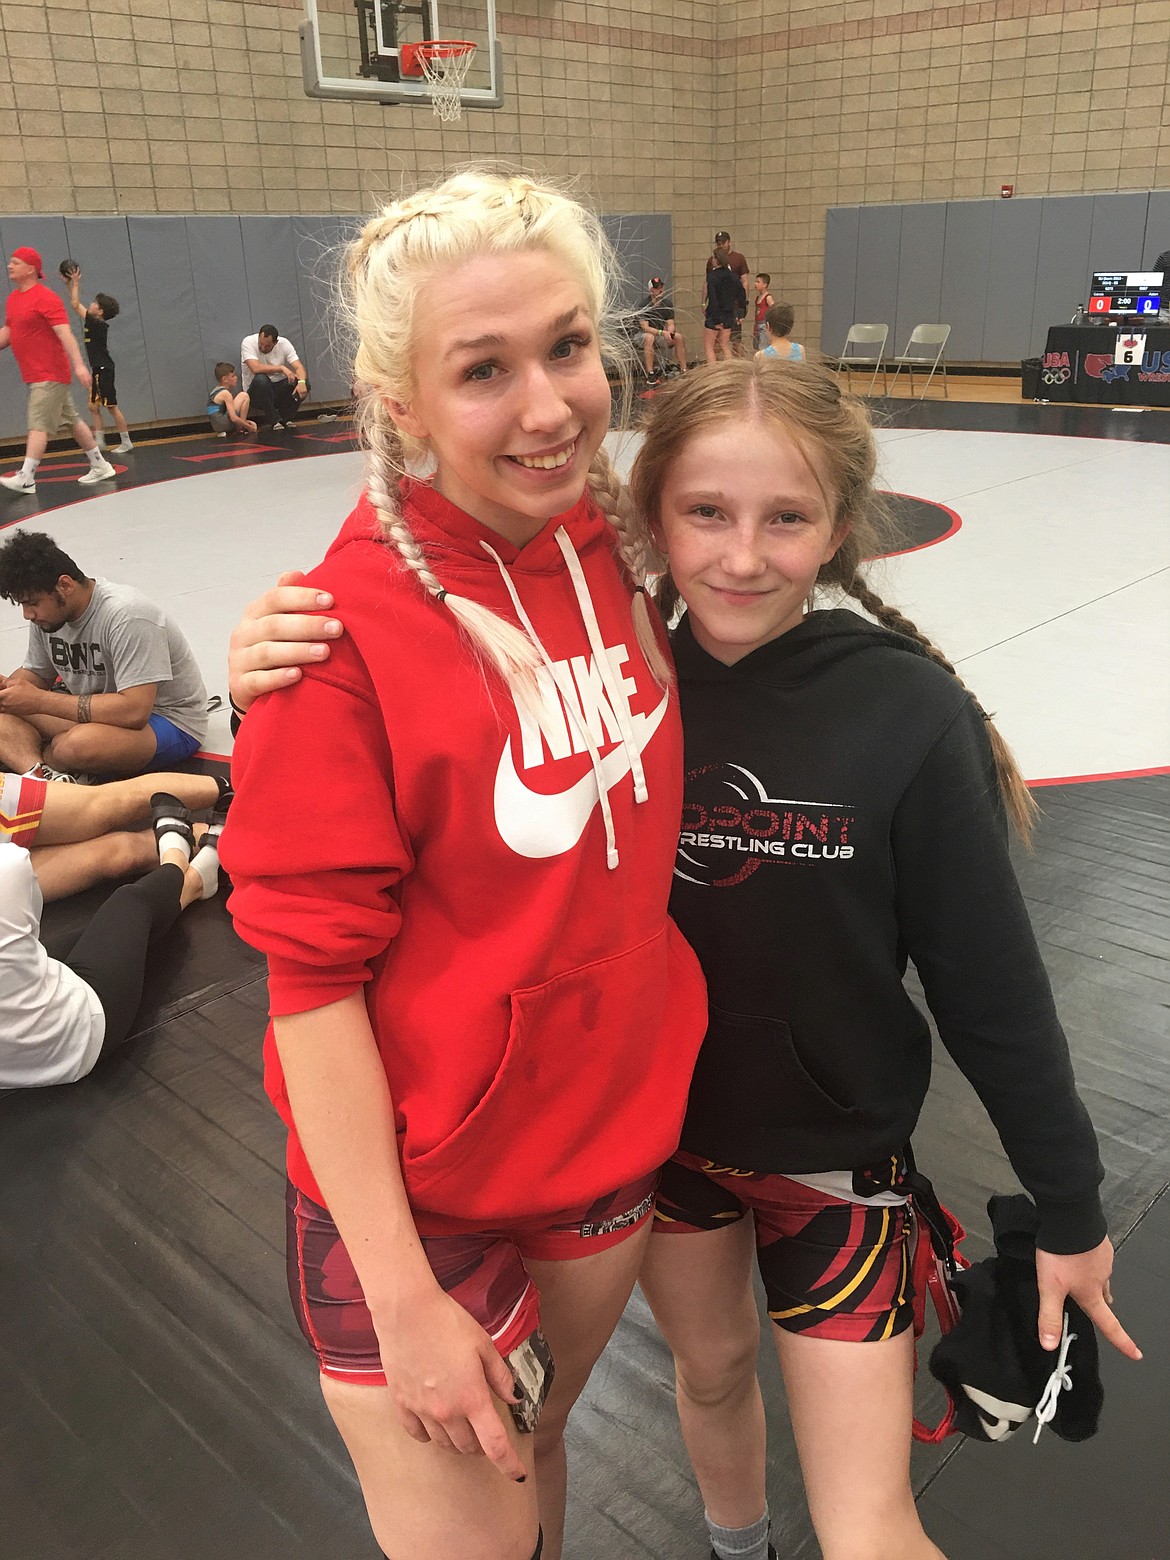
[(1057, 376)]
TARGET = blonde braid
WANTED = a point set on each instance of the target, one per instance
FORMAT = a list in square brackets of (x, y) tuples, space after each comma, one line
[(1019, 801), (637, 554), (496, 641)]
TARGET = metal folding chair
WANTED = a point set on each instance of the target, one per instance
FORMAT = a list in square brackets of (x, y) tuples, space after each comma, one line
[(866, 336), (924, 336)]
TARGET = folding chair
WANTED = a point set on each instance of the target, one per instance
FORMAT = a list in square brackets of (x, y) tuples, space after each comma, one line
[(924, 336), (873, 336)]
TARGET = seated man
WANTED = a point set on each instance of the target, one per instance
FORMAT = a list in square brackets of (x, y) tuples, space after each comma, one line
[(80, 835), (274, 377), (655, 319), (133, 698)]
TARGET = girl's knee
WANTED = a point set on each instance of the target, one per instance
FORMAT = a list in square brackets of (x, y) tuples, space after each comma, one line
[(720, 1370)]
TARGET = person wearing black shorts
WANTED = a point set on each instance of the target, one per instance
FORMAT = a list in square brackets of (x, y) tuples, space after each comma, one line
[(726, 303), (103, 393)]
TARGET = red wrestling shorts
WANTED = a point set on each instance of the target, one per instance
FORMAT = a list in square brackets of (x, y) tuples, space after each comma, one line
[(832, 1268), (485, 1272)]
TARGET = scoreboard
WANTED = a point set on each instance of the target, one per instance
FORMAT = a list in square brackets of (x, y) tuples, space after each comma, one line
[(1126, 292)]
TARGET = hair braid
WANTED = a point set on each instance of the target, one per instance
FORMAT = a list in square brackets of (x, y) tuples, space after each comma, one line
[(637, 554), (497, 641), (1019, 801)]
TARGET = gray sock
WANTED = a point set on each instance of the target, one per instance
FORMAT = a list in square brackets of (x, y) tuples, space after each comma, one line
[(744, 1543)]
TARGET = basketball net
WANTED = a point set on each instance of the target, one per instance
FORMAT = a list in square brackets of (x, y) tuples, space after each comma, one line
[(445, 66)]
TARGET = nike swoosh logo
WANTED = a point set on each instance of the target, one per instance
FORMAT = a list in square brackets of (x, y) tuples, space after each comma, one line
[(537, 825)]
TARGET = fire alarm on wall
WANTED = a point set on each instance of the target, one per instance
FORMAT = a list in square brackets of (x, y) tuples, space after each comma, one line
[(1007, 191)]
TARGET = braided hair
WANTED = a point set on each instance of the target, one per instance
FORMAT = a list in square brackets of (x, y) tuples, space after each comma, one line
[(386, 267), (835, 432)]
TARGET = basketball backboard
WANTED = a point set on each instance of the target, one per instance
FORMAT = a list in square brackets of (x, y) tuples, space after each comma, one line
[(352, 49)]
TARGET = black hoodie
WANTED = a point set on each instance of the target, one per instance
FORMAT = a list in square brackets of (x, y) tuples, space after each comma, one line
[(841, 814)]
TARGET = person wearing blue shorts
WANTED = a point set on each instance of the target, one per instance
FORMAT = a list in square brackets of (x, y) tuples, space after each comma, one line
[(109, 684)]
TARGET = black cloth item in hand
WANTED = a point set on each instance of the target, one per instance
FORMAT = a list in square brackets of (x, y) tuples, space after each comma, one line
[(992, 1363)]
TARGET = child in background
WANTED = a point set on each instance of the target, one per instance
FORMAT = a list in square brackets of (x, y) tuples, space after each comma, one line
[(103, 393), (778, 322), (843, 809), (764, 301), (225, 409)]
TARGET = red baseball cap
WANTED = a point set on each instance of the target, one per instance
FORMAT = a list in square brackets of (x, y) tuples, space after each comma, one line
[(30, 257)]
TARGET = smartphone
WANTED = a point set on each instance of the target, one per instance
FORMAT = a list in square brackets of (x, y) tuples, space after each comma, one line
[(533, 1371)]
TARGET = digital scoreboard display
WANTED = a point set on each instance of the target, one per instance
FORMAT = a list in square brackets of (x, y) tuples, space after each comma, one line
[(1126, 292)]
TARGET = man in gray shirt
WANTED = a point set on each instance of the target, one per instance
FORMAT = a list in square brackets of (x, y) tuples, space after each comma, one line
[(133, 699)]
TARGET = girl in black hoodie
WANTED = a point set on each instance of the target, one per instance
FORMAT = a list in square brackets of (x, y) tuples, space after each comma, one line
[(843, 810)]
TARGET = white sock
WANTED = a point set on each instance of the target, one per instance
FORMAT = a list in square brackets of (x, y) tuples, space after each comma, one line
[(745, 1543), (29, 470), (173, 840), (206, 863), (96, 457)]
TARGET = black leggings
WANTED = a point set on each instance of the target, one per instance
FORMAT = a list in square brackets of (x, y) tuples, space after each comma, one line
[(110, 955)]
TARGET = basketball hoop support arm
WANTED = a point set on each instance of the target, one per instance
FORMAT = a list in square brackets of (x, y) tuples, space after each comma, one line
[(318, 85)]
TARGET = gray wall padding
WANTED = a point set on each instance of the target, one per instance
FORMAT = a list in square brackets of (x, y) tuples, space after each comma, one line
[(840, 304), (216, 248), (1157, 226), (191, 288), (999, 272), (1011, 278), (919, 271), (965, 266), (644, 245)]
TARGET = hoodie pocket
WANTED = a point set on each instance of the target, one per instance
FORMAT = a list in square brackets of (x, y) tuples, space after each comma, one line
[(589, 1093), (751, 1084)]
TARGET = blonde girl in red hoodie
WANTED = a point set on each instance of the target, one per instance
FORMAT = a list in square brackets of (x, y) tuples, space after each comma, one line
[(483, 1023)]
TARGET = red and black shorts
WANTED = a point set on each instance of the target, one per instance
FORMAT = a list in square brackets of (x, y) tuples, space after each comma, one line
[(484, 1271), (832, 1268)]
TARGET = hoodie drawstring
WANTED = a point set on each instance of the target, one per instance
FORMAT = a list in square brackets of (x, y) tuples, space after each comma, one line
[(601, 660), (611, 850)]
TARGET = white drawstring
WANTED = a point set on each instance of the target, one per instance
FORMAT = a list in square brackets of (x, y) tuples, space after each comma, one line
[(611, 851), (601, 661), (1059, 1381)]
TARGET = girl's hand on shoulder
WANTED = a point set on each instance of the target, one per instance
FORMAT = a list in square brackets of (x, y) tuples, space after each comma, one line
[(278, 634), (1083, 1277), (444, 1374)]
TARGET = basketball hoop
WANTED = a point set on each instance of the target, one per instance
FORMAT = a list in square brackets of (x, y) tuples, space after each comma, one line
[(444, 62)]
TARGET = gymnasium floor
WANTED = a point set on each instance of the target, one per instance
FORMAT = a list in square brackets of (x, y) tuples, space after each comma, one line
[(155, 1400)]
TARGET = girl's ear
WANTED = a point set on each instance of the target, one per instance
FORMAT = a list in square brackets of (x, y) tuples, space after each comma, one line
[(837, 540), (404, 419)]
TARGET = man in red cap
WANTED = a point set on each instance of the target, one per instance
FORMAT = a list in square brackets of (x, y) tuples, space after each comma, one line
[(37, 329)]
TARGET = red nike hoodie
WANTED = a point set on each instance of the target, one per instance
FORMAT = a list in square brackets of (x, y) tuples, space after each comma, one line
[(491, 877)]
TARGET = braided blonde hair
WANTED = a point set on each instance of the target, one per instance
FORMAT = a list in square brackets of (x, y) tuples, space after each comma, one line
[(835, 432), (386, 267)]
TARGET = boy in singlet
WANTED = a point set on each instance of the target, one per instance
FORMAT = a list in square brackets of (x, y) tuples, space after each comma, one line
[(764, 302), (227, 410)]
